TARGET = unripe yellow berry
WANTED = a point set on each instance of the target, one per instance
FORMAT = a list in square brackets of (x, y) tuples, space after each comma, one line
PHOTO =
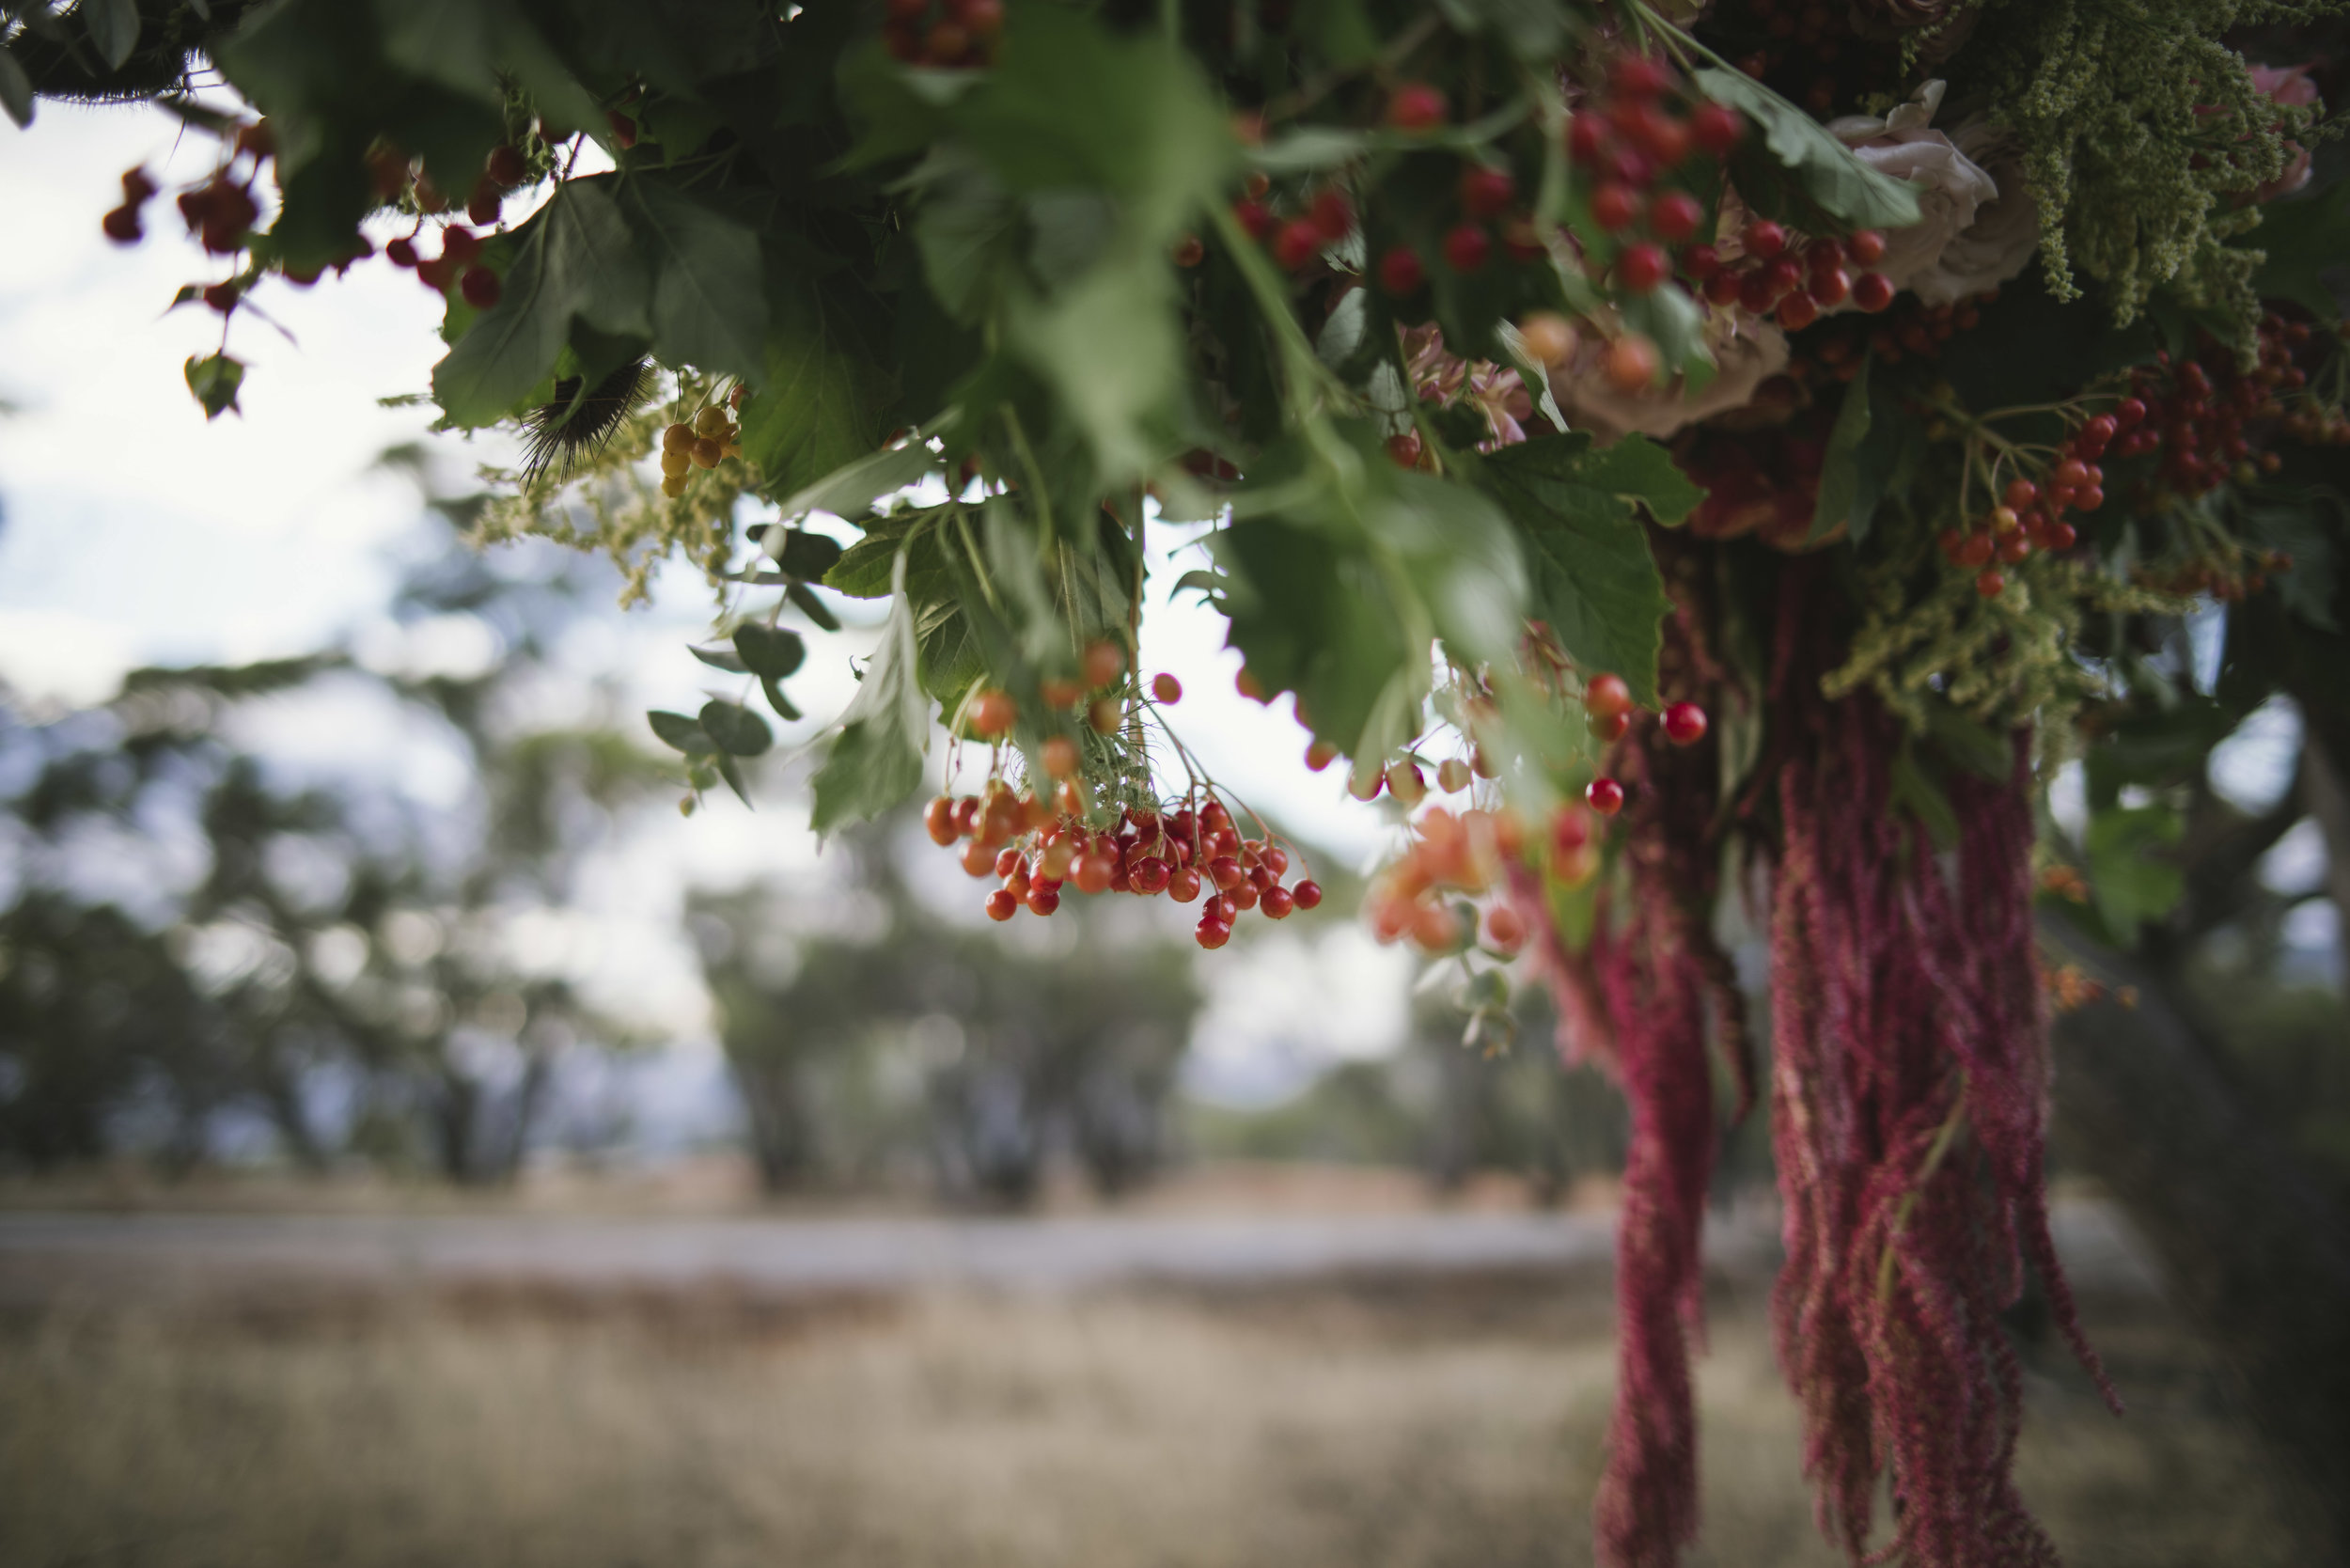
[(707, 453), (710, 421), (677, 438), (673, 486), (675, 461)]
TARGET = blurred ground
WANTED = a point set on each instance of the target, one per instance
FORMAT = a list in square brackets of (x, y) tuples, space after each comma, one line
[(1369, 1423), (1410, 1409)]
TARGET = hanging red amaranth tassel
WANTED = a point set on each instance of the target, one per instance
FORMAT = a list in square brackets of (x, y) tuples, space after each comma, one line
[(1639, 1000), (1908, 1098)]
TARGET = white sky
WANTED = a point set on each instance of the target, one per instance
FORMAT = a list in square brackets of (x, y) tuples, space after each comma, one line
[(135, 532)]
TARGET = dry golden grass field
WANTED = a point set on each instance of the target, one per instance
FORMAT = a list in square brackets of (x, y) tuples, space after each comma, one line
[(1368, 1425)]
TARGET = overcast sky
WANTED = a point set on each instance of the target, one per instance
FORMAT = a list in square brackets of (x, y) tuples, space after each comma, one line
[(135, 532)]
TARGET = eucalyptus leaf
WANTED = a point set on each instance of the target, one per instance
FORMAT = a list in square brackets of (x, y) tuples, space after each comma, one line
[(738, 731), (114, 28), (804, 600), (721, 658), (16, 89), (770, 652), (682, 733)]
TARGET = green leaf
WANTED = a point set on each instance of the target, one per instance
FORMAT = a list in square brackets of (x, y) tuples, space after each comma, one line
[(595, 258), (877, 760), (732, 772), (681, 733), (1595, 583), (850, 491), (1973, 746), (1111, 346), (1637, 469), (1838, 181), (16, 89), (780, 703), (2301, 241), (804, 555), (738, 731), (804, 600), (721, 658), (2131, 879), (1676, 325), (1839, 502), (770, 652), (214, 381), (821, 406), (114, 27), (709, 306)]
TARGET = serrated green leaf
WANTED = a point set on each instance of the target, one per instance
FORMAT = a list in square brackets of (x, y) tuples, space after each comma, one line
[(877, 760), (1829, 173), (738, 731), (821, 406), (770, 652), (681, 733), (589, 246), (804, 600), (708, 305), (1634, 468), (214, 381), (1595, 583)]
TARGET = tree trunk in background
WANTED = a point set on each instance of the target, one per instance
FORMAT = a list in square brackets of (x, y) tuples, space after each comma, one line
[(2250, 1247), (2328, 800)]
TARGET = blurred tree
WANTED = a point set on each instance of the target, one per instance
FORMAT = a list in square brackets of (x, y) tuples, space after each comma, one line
[(192, 933), (1008, 1055)]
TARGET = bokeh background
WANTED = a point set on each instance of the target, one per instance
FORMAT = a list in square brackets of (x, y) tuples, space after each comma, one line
[(421, 1142)]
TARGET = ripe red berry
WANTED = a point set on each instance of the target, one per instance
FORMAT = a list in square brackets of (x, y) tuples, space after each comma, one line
[(1608, 696), (1866, 247), (480, 287), (1043, 899), (1001, 905), (221, 296), (1182, 884), (1763, 239), (1570, 829), (1150, 874), (2129, 413), (1226, 872), (1486, 193), (1505, 932), (1321, 755), (137, 188), (1213, 933), (1990, 584), (2062, 535), (2013, 548), (1400, 272), (1873, 291), (1278, 902), (505, 165), (938, 821), (1586, 139), (122, 226), (1467, 247), (1716, 127), (1614, 206), (1638, 76), (401, 253), (1403, 451), (1974, 550), (1665, 139), (1797, 312), (1684, 723), (993, 712), (623, 129), (1830, 286), (1331, 213), (1166, 688), (483, 205), (1307, 894), (1416, 106), (1298, 243), (2089, 499), (1674, 216), (2020, 492), (1700, 262), (1605, 796), (1642, 267)]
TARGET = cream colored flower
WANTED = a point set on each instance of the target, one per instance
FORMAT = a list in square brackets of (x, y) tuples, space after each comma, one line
[(1999, 244), (1952, 188)]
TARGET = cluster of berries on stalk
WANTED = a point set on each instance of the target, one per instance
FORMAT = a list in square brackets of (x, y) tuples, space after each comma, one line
[(710, 439), (1037, 846), (2029, 515), (952, 32)]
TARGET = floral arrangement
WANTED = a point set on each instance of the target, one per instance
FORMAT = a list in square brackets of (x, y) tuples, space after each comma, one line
[(1737, 448)]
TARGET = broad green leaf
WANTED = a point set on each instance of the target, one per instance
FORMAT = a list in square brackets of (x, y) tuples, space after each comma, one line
[(708, 305), (2128, 870), (738, 731), (1595, 583), (867, 568), (850, 491), (2301, 241), (1838, 502), (1111, 346), (214, 381), (877, 760), (967, 228), (770, 652), (1463, 557), (591, 252), (1535, 30), (114, 28), (1312, 618), (510, 347), (681, 733), (821, 406), (1637, 469), (1836, 180)]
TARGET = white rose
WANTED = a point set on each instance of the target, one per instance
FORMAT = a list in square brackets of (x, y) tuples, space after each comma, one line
[(1955, 194), (1749, 351), (1999, 244)]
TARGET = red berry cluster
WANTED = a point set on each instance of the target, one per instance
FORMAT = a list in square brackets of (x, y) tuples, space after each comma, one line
[(456, 264), (1468, 854), (1039, 848), (1326, 218), (2195, 408), (956, 33), (1632, 140), (1772, 273), (1768, 487), (1912, 327)]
